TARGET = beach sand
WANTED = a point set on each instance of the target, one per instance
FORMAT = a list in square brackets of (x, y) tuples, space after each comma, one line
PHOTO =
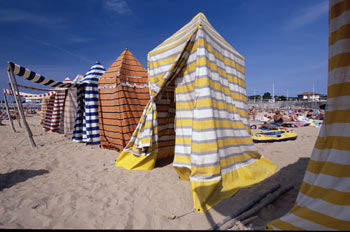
[(66, 185)]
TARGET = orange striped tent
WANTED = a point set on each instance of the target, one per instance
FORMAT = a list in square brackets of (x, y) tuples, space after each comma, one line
[(123, 95)]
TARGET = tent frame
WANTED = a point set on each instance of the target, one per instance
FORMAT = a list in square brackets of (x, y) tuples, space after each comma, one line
[(13, 86)]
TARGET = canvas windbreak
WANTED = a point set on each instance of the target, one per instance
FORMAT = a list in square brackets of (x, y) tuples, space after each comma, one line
[(70, 107), (54, 120), (199, 72), (123, 94), (86, 128), (323, 201)]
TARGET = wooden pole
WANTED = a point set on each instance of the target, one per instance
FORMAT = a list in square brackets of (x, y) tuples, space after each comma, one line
[(269, 199), (9, 114), (20, 107), (14, 106), (246, 207)]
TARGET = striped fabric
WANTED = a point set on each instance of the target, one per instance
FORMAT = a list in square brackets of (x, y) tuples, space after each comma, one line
[(70, 107), (86, 128), (31, 95), (54, 121), (213, 147), (44, 107), (123, 94), (37, 78), (323, 201)]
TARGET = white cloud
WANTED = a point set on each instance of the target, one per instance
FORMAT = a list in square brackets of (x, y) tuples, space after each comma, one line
[(119, 6), (308, 15), (17, 15)]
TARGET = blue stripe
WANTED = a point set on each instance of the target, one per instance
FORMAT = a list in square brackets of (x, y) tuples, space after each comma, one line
[(31, 75), (21, 71), (41, 79)]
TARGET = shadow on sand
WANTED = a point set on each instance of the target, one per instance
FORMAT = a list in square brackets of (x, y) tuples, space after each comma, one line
[(8, 180), (291, 174)]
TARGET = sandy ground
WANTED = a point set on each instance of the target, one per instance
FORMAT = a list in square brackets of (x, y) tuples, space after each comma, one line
[(66, 185)]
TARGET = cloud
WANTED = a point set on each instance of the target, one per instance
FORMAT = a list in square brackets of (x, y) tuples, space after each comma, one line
[(17, 15), (308, 15), (67, 52), (119, 6)]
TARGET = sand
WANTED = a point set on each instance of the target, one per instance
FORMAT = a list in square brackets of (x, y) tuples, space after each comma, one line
[(66, 185)]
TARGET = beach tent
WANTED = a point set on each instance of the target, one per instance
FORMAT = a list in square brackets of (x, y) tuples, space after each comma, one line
[(15, 69), (70, 107), (54, 120), (86, 128), (44, 98), (213, 148), (323, 201), (123, 94)]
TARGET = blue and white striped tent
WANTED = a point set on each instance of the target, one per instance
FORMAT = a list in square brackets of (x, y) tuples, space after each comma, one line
[(86, 128)]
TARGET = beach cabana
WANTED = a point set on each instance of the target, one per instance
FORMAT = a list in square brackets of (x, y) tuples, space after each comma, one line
[(323, 201), (209, 125), (70, 107), (86, 128), (54, 120), (15, 69), (123, 94)]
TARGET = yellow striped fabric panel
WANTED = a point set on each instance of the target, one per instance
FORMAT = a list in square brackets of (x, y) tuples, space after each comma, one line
[(213, 147), (323, 202)]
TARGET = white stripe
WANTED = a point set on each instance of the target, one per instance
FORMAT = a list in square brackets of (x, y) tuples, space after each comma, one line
[(338, 76), (328, 182), (331, 155), (336, 129), (339, 21), (238, 165), (340, 47), (341, 212), (302, 223), (338, 103)]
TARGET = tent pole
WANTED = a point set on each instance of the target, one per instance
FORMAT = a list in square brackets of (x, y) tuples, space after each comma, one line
[(9, 114), (14, 106), (20, 107)]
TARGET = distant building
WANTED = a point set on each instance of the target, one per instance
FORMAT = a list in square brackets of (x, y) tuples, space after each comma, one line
[(309, 96)]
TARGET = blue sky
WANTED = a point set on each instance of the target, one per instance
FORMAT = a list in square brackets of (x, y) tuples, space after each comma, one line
[(285, 42)]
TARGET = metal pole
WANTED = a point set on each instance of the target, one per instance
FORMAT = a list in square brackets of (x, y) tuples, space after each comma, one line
[(20, 107)]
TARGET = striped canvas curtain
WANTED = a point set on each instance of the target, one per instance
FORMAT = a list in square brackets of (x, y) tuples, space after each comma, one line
[(323, 201), (123, 94), (213, 147), (86, 128), (70, 108)]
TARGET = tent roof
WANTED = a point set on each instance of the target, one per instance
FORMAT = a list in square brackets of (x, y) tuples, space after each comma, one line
[(93, 74)]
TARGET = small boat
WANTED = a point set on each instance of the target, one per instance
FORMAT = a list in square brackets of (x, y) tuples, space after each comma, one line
[(271, 136)]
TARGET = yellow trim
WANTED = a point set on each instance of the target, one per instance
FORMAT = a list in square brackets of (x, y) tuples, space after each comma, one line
[(337, 116), (329, 195), (339, 61), (321, 219), (339, 9), (339, 90), (328, 168)]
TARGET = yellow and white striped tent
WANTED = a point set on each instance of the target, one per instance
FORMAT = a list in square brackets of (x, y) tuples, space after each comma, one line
[(323, 202), (205, 77)]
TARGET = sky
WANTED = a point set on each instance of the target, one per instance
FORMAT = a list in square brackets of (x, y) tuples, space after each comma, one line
[(284, 43)]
